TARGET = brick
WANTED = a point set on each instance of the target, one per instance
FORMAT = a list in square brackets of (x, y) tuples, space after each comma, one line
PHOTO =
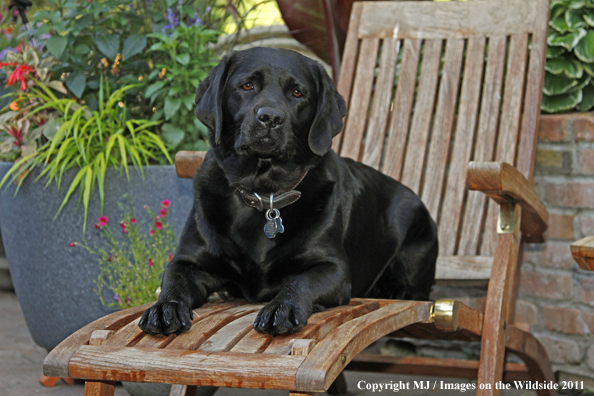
[(557, 255), (551, 286), (554, 127), (587, 162), (564, 320), (587, 291), (561, 350), (588, 318), (526, 312), (561, 226), (590, 357), (553, 162), (587, 224), (583, 125), (570, 194)]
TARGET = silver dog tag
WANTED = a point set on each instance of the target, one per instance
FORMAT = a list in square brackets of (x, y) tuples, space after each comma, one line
[(274, 225)]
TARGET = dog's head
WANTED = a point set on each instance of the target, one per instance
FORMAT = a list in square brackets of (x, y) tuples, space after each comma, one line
[(270, 104)]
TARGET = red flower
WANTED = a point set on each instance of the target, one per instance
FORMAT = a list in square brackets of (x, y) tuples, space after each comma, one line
[(158, 225), (151, 263), (123, 225), (109, 258), (103, 220), (97, 226), (163, 213), (19, 74), (170, 256), (165, 203), (152, 232), (133, 220), (72, 244)]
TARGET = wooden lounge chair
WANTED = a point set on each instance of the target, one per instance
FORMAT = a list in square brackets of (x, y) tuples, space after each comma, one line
[(468, 88)]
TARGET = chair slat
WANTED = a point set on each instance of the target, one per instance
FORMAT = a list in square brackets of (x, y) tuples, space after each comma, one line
[(359, 105), (485, 142), (530, 119), (510, 125), (426, 20), (421, 122), (376, 129), (203, 330), (227, 337), (461, 153), (347, 68), (442, 126), (405, 92)]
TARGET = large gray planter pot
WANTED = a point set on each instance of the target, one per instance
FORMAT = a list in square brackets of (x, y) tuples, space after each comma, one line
[(53, 281)]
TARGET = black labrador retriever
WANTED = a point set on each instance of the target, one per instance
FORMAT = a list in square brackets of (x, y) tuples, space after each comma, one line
[(280, 217)]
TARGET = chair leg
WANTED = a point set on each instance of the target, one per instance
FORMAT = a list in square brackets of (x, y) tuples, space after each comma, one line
[(531, 351), (99, 388)]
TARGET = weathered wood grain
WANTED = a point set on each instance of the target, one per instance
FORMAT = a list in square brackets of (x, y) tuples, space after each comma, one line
[(378, 119), (421, 122), (204, 329), (359, 107), (455, 191), (347, 69), (56, 362), (457, 20), (401, 113), (439, 146), (332, 354), (239, 370), (583, 253), (502, 182), (473, 220)]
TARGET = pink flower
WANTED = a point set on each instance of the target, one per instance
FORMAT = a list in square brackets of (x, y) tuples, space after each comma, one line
[(163, 213), (103, 220), (123, 226), (170, 256), (72, 244), (145, 206), (165, 203), (133, 220), (158, 225), (151, 262), (152, 232), (125, 231)]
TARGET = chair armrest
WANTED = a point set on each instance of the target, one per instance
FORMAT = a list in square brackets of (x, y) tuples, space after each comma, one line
[(186, 163), (504, 183), (583, 253)]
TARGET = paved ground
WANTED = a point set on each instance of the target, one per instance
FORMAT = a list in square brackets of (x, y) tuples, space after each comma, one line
[(21, 361)]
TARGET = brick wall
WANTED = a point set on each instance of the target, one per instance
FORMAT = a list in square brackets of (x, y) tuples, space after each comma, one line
[(556, 296)]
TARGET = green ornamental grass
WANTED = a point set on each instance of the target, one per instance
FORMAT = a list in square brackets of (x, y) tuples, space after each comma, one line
[(90, 141)]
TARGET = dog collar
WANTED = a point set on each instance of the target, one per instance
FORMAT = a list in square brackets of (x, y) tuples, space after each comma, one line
[(277, 200)]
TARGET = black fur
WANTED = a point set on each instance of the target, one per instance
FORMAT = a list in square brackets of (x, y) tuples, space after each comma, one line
[(354, 233)]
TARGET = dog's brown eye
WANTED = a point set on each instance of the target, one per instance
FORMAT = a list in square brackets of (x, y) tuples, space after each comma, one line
[(297, 93), (248, 86)]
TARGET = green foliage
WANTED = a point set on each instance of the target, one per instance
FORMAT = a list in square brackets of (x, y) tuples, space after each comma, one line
[(90, 141), (172, 85), (569, 70), (131, 269)]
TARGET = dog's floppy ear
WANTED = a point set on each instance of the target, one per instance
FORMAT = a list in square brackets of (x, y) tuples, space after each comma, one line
[(209, 98), (328, 120)]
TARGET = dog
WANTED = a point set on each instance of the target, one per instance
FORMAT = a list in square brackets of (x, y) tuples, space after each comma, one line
[(278, 216)]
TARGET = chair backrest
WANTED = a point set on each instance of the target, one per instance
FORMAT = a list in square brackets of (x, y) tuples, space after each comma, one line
[(431, 86)]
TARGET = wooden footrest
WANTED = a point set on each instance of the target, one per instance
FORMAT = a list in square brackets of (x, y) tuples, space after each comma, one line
[(222, 348)]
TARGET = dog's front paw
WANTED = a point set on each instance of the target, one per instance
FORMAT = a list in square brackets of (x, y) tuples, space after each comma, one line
[(281, 315), (166, 317)]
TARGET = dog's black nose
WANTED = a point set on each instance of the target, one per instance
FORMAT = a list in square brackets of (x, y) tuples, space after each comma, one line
[(270, 117)]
